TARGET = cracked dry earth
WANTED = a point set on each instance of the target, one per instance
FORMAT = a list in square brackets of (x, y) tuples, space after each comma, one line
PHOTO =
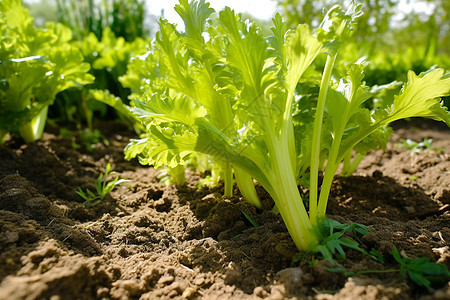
[(148, 240)]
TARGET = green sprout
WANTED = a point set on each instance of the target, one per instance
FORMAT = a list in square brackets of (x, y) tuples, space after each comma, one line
[(420, 270), (103, 187), (416, 147), (249, 218), (333, 240)]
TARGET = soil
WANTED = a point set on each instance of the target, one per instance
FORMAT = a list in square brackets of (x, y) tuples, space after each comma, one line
[(149, 240)]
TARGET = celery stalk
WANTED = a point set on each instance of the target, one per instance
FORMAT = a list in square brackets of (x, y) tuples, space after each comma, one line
[(33, 130)]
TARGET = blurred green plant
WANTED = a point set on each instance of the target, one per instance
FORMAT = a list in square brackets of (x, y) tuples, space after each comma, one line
[(35, 65), (384, 22), (42, 11), (84, 138), (392, 40), (416, 147), (109, 58), (125, 18), (108, 33)]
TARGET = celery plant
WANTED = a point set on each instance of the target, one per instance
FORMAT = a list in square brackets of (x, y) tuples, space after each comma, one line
[(225, 68), (35, 64)]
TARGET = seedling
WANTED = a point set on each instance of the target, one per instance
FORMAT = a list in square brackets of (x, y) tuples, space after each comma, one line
[(87, 138), (333, 242), (421, 271), (249, 218), (90, 138), (417, 147), (103, 187), (335, 238)]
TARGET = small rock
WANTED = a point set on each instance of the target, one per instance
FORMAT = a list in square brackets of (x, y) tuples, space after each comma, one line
[(188, 293), (11, 237), (259, 291), (233, 274), (199, 281), (291, 278), (166, 279), (277, 292), (410, 209)]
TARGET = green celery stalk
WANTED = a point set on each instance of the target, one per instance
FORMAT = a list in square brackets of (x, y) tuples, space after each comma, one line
[(343, 30), (420, 96), (286, 195), (3, 136), (33, 130), (177, 173), (315, 157), (246, 186)]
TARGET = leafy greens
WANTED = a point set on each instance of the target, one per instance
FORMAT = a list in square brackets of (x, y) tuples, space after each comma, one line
[(35, 64), (223, 89)]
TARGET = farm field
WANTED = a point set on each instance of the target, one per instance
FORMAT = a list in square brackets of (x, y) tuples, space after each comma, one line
[(148, 240), (224, 156)]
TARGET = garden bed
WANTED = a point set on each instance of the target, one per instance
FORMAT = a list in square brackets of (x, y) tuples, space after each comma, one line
[(148, 240)]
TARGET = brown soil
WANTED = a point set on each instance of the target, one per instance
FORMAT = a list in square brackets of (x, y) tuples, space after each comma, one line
[(148, 240)]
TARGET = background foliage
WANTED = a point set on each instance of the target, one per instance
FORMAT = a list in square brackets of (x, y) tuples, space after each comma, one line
[(107, 32)]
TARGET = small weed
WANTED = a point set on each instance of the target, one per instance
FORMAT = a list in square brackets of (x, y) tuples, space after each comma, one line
[(334, 241), (103, 187), (247, 216), (90, 138), (421, 271), (416, 147), (87, 139), (253, 222)]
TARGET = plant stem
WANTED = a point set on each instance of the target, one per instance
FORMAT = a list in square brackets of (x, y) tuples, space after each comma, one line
[(350, 164), (315, 150), (228, 180), (34, 129), (287, 130), (245, 185), (86, 110), (178, 174), (3, 135), (330, 170), (333, 160), (287, 197)]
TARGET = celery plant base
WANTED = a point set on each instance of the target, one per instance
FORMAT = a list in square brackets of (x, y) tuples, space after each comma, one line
[(33, 130), (3, 136)]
